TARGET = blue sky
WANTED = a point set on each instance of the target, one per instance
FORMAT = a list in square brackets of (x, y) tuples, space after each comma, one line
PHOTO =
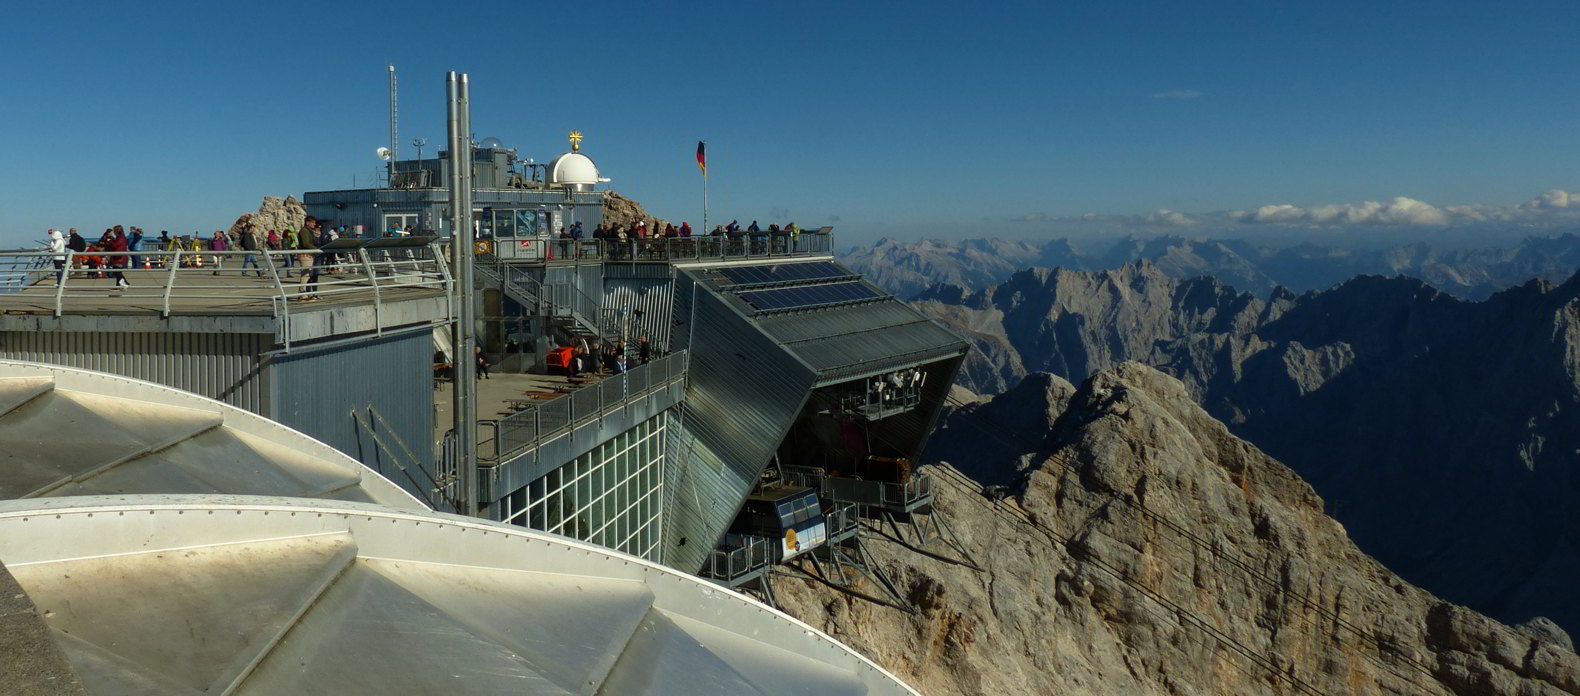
[(904, 119)]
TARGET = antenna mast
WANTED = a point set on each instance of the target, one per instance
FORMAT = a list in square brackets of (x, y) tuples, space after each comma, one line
[(394, 128)]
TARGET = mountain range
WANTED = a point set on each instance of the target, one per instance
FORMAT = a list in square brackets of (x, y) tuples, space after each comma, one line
[(907, 268), (1144, 549), (1443, 433)]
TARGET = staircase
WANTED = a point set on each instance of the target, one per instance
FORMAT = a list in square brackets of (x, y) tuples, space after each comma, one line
[(565, 305)]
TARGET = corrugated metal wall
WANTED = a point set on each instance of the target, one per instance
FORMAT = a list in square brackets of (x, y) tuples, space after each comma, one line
[(315, 391), (743, 393), (222, 366), (654, 298)]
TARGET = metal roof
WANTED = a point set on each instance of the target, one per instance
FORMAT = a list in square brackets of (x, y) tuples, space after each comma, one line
[(846, 341), (838, 336), (65, 431), (250, 595)]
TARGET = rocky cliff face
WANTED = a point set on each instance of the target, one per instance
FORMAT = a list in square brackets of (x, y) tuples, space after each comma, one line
[(1445, 434), (1149, 551), (906, 268)]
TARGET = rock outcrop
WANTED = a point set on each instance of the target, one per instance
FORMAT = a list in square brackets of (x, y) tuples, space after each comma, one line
[(619, 210), (1444, 434), (274, 214), (1149, 551)]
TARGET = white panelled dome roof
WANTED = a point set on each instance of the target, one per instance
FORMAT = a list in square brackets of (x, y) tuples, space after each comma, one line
[(573, 168), (255, 595)]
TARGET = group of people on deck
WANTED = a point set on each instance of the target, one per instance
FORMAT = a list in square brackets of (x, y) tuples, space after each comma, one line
[(105, 258), (613, 357), (99, 258)]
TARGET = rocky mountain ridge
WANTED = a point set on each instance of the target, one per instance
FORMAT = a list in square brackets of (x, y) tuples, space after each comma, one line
[(907, 268), (1444, 433), (1146, 550)]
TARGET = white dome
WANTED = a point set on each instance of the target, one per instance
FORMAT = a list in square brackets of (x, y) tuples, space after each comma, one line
[(573, 168)]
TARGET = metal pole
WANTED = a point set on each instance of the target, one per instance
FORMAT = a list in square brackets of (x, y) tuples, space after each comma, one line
[(704, 229), (461, 234), (394, 130)]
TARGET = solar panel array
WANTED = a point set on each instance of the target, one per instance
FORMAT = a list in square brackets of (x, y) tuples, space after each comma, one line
[(809, 296), (784, 273)]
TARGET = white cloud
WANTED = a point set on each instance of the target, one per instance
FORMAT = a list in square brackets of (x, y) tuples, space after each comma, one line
[(1178, 94), (1166, 217), (1552, 208)]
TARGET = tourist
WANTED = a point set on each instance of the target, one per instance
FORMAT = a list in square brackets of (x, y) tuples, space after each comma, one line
[(219, 243), (482, 362), (164, 240), (57, 245), (685, 229), (77, 244), (306, 244), (753, 228), (644, 350), (249, 244), (288, 244), (118, 262), (576, 230)]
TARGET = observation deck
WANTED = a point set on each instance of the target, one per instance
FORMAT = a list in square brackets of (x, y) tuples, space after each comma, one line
[(671, 250), (363, 286)]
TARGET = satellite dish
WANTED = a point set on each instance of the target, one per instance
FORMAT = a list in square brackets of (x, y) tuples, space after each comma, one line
[(383, 153)]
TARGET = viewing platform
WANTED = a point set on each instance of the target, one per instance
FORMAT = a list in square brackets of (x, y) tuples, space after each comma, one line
[(671, 250), (363, 286), (527, 423)]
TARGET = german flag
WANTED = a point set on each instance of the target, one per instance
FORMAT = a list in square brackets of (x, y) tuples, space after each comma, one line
[(702, 157)]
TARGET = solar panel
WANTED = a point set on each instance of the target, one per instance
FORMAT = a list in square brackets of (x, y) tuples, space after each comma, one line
[(809, 296), (784, 273)]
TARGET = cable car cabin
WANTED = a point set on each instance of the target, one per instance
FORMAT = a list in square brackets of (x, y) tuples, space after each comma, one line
[(791, 514)]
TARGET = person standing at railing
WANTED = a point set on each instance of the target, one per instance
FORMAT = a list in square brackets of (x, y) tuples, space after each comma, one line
[(644, 350), (76, 243), (249, 244), (118, 262), (57, 245), (306, 243), (219, 243)]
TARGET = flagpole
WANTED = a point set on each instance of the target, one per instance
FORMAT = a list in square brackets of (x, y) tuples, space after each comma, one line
[(705, 229)]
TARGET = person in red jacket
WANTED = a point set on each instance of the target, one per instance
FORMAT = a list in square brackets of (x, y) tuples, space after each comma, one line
[(118, 262)]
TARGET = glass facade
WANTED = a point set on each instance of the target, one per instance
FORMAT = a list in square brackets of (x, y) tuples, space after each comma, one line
[(611, 496)]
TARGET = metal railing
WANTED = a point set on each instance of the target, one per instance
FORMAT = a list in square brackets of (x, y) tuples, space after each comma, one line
[(899, 496), (502, 439), (521, 287), (673, 249), (177, 280), (842, 521), (740, 557)]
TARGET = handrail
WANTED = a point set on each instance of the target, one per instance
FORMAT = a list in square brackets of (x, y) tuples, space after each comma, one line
[(739, 557), (526, 429), (389, 452), (699, 248), (163, 282)]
